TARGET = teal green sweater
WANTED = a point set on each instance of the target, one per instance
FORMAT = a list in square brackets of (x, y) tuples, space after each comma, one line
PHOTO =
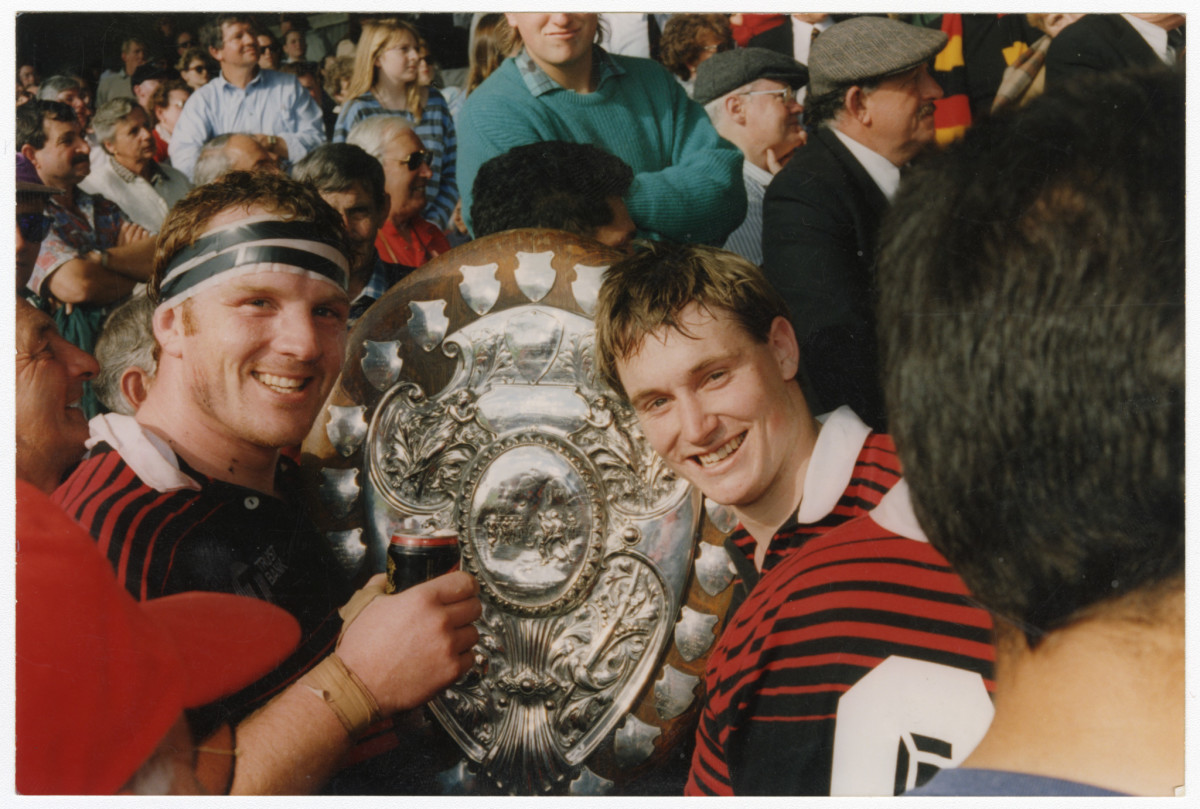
[(687, 184)]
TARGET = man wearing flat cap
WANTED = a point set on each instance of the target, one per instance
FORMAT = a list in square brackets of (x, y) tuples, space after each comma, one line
[(750, 95), (870, 104)]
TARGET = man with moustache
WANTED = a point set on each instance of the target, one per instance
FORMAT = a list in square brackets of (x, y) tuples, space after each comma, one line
[(93, 255), (270, 106), (750, 96), (870, 104)]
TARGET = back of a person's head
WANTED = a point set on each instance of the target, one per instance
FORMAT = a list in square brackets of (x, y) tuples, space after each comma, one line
[(126, 341), (648, 290), (561, 185), (1031, 316), (335, 167), (51, 87)]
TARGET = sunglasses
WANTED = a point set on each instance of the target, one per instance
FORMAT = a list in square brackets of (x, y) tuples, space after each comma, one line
[(414, 160), (33, 226), (198, 69)]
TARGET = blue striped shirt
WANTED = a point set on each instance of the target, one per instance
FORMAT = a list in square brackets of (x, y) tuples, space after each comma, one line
[(436, 132)]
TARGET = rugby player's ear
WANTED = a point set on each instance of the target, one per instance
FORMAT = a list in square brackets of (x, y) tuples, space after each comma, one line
[(168, 329), (784, 346)]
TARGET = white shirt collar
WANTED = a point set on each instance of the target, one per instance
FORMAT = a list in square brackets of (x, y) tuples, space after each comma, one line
[(895, 513), (832, 463), (884, 172), (802, 35), (150, 458), (1155, 37), (758, 175)]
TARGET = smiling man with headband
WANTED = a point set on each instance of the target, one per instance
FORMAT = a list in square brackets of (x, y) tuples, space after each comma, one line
[(192, 494)]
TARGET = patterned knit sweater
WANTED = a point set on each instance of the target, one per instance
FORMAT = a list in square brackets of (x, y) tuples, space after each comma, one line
[(687, 183)]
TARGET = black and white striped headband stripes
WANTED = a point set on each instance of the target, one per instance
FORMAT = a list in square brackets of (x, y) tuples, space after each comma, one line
[(251, 246)]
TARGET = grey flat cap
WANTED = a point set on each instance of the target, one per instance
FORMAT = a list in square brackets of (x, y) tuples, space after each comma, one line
[(729, 70), (867, 48)]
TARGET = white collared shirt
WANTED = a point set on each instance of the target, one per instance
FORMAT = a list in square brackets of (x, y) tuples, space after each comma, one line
[(831, 465), (802, 37), (1155, 37), (884, 172)]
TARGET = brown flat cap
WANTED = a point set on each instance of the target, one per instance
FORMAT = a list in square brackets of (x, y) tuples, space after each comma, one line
[(868, 48)]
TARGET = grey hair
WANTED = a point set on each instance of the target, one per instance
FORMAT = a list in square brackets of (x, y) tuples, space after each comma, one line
[(716, 108), (126, 341), (335, 167), (212, 161), (51, 87), (111, 113), (372, 134)]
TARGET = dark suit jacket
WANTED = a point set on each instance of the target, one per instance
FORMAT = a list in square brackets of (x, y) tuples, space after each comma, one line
[(778, 39), (1096, 43), (821, 218)]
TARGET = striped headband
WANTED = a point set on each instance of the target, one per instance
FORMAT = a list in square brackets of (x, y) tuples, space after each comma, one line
[(253, 245)]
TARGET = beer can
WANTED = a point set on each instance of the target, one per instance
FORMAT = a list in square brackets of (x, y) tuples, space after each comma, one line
[(414, 558)]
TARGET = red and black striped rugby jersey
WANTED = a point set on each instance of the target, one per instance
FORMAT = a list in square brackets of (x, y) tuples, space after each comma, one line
[(790, 672), (222, 538), (874, 471)]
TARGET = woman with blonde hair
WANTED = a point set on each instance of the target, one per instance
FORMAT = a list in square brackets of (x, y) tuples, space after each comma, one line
[(384, 82)]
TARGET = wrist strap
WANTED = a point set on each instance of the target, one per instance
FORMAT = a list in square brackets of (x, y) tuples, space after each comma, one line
[(346, 695)]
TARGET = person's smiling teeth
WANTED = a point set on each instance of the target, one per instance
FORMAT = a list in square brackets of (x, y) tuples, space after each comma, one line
[(283, 384), (721, 454)]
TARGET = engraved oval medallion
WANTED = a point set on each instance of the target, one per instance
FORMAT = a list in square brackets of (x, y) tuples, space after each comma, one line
[(533, 529)]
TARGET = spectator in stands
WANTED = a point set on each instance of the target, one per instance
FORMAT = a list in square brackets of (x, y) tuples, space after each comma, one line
[(193, 67), (1036, 390), (870, 102), (127, 173), (125, 353), (32, 222), (353, 183), (688, 40), (116, 85), (295, 48), (575, 187), (269, 51), (49, 379), (794, 36), (270, 106), (406, 237), (145, 82), (232, 152), (1097, 43), (385, 82), (562, 86), (492, 38), (750, 97), (306, 74), (28, 78), (316, 46), (167, 104), (67, 90), (102, 681), (93, 256), (337, 80)]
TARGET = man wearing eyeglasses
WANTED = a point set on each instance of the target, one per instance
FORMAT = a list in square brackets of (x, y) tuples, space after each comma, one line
[(870, 107), (273, 108), (750, 97), (406, 237)]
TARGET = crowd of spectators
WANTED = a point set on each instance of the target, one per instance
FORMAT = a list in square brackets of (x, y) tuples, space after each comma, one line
[(834, 226)]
